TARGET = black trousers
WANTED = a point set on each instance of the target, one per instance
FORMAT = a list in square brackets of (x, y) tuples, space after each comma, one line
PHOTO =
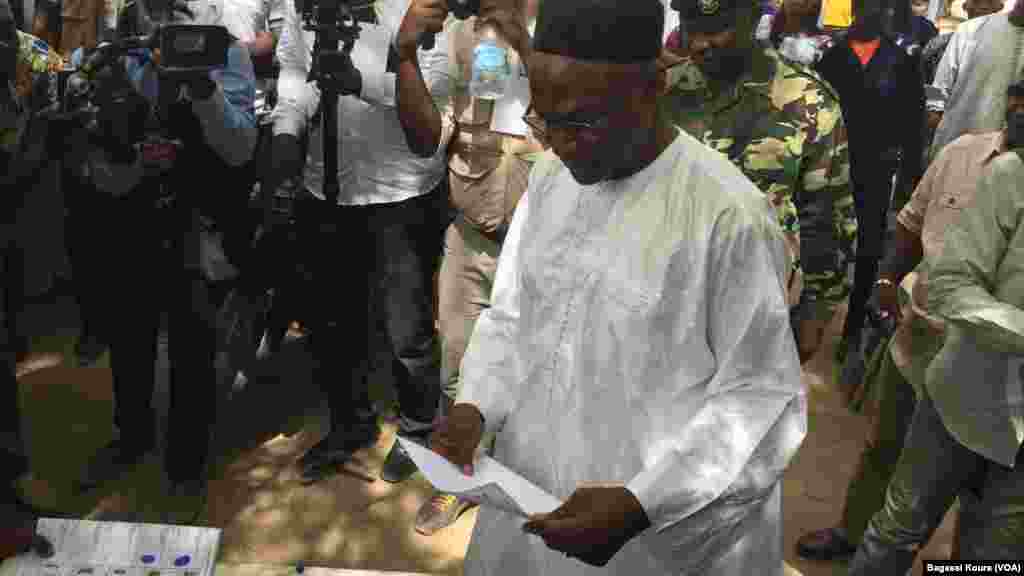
[(129, 269), (372, 288), (872, 195)]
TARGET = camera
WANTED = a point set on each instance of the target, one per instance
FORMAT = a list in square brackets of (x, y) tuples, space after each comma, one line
[(192, 49)]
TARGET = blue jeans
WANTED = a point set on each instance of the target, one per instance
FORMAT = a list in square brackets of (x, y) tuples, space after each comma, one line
[(933, 470)]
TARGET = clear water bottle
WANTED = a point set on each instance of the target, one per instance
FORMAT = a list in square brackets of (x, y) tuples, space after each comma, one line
[(491, 69)]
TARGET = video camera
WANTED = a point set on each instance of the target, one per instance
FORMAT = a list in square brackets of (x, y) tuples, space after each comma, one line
[(97, 97), (183, 49), (192, 48)]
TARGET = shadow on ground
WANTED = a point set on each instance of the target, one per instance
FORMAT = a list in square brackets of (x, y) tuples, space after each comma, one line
[(268, 516)]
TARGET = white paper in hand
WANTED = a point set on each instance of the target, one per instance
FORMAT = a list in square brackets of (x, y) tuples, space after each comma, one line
[(491, 483)]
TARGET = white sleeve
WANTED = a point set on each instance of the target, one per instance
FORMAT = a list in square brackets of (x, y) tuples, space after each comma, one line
[(268, 9), (946, 73), (437, 74), (490, 366), (731, 454), (297, 99), (228, 118), (379, 85)]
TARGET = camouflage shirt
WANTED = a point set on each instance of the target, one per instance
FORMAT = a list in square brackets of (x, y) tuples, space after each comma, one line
[(782, 126)]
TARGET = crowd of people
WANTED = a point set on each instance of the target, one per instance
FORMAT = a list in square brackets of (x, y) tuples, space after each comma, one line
[(607, 275)]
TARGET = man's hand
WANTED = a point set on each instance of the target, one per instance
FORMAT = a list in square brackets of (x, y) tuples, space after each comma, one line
[(887, 298), (457, 436), (593, 524), (423, 17), (666, 60), (509, 21), (934, 117)]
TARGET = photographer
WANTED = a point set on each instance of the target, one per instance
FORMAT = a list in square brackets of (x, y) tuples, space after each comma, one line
[(146, 255), (384, 228)]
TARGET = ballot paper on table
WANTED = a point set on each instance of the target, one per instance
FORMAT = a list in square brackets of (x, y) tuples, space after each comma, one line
[(491, 483)]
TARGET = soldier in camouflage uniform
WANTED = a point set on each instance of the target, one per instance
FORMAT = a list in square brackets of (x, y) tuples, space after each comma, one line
[(781, 124)]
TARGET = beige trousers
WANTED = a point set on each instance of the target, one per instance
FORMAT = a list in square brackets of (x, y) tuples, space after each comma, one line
[(464, 291)]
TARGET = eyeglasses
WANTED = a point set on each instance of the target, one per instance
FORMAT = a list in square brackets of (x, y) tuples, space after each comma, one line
[(542, 128)]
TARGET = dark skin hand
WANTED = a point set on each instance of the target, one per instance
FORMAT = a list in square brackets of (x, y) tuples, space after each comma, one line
[(907, 251), (593, 524), (457, 436), (263, 45)]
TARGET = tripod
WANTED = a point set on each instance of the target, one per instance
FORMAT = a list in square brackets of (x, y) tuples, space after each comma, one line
[(336, 24)]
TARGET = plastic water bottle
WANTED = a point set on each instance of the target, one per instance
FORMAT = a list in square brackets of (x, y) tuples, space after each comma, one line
[(490, 65)]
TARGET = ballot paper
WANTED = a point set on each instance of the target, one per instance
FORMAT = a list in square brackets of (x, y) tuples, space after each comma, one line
[(491, 483), (86, 548)]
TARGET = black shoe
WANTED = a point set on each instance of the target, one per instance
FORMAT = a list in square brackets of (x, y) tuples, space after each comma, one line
[(333, 452), (111, 462), (186, 502), (398, 466)]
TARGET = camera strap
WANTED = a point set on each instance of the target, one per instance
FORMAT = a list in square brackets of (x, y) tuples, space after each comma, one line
[(55, 19)]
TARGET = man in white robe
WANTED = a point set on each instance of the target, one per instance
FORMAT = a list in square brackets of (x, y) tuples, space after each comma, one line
[(637, 361)]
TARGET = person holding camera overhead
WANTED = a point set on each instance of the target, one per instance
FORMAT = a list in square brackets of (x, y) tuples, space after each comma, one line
[(374, 248), (489, 164), (150, 257)]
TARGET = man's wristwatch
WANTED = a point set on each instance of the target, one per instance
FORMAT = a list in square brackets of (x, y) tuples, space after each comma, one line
[(884, 282)]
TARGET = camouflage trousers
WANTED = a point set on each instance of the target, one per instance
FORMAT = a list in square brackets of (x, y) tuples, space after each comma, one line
[(828, 237)]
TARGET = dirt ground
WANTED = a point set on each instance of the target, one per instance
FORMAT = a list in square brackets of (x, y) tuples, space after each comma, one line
[(269, 517)]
